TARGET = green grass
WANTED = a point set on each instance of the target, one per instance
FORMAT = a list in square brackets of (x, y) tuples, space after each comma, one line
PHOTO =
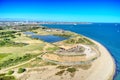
[(52, 49), (88, 41), (11, 43), (15, 60), (34, 63), (78, 40), (7, 78), (22, 50), (3, 55), (13, 51)]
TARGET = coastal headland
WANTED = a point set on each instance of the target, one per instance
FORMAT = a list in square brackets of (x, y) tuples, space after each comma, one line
[(36, 52)]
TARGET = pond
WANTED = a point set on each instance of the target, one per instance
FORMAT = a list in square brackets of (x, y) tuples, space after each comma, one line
[(46, 38)]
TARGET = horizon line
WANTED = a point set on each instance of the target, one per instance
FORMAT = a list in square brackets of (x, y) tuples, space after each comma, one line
[(24, 19)]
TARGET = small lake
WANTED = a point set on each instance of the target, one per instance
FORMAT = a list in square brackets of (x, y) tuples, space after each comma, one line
[(46, 38)]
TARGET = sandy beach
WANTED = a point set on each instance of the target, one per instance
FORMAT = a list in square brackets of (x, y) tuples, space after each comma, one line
[(104, 66)]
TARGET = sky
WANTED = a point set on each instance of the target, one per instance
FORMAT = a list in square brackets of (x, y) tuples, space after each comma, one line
[(62, 10)]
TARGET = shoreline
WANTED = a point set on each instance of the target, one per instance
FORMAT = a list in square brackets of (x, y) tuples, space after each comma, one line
[(103, 68), (107, 66), (102, 47)]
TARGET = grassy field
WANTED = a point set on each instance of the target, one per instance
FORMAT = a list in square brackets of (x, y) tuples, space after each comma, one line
[(79, 40), (13, 55), (2, 55), (34, 46), (14, 52)]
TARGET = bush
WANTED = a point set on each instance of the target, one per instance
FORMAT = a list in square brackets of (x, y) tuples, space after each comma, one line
[(60, 72), (71, 70), (21, 70), (3, 74), (62, 67), (7, 78), (10, 72)]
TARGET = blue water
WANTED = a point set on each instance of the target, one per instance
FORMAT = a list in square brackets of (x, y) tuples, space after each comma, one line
[(29, 33), (46, 38), (107, 34), (49, 38)]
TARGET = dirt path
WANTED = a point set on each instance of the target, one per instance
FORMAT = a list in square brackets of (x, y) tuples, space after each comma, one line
[(6, 69)]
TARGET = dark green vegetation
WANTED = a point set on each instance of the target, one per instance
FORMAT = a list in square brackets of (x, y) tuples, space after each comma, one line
[(63, 35), (10, 72), (16, 60), (44, 28), (22, 27), (65, 68), (21, 70), (71, 70), (79, 40), (8, 34), (8, 43), (28, 27), (1, 28), (5, 77), (49, 63), (60, 72), (6, 39), (62, 67), (88, 41)]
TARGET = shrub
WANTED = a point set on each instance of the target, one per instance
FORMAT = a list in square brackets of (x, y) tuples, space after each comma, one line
[(62, 67), (71, 70), (7, 78), (10, 72), (21, 70), (60, 72), (3, 74)]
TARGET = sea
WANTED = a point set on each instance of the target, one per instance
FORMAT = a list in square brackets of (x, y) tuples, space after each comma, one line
[(108, 34)]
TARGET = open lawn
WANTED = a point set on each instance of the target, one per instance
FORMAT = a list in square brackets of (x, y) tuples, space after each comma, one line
[(34, 46), (2, 55)]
